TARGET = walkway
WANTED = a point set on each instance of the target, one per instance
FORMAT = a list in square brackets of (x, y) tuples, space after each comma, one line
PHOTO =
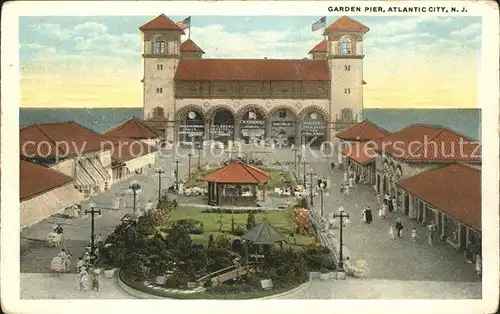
[(391, 259)]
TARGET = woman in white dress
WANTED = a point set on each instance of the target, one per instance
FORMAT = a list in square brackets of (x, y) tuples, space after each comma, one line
[(479, 265), (82, 279)]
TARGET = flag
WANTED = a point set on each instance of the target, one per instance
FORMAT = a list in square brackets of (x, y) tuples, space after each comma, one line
[(319, 24), (185, 23)]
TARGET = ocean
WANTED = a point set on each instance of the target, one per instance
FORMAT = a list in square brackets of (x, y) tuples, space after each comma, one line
[(464, 121)]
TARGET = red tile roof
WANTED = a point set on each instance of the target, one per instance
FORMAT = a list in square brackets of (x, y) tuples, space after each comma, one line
[(133, 128), (59, 140), (252, 70), (420, 142), (321, 47), (454, 189), (362, 153), (238, 172), (161, 22), (126, 149), (347, 24), (363, 131), (190, 46), (35, 179)]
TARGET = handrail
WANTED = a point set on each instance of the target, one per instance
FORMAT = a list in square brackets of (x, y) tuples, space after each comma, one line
[(227, 270)]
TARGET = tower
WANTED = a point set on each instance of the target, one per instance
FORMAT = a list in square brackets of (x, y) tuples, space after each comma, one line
[(345, 60), (160, 53)]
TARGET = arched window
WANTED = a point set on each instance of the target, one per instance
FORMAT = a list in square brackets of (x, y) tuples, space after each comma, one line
[(346, 114), (158, 112), (345, 46)]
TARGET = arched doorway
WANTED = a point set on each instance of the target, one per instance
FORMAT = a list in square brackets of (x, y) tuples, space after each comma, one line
[(252, 125), (222, 126), (191, 125), (313, 131), (283, 124)]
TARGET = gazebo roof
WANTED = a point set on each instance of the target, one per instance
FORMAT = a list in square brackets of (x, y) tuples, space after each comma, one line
[(263, 233), (237, 172)]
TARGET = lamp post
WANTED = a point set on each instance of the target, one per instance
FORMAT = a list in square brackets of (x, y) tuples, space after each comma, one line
[(189, 166), (297, 168), (341, 215), (159, 171), (304, 163), (321, 189), (92, 212), (199, 156), (177, 174), (295, 157), (134, 187), (311, 174)]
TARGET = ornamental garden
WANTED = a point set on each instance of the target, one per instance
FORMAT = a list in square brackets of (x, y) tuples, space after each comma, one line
[(176, 251)]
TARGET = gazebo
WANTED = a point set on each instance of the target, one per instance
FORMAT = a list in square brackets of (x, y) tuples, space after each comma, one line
[(235, 184), (264, 234)]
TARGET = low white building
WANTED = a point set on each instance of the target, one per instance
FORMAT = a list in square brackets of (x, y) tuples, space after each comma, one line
[(132, 157), (71, 149), (44, 192)]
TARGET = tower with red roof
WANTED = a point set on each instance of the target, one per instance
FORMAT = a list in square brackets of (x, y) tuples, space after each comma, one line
[(160, 55)]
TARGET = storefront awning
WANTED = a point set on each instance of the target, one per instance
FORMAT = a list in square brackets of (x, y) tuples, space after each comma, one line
[(83, 179), (45, 205), (92, 171), (140, 162), (100, 168)]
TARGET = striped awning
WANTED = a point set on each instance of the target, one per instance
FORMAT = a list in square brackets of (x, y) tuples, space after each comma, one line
[(100, 169), (139, 162), (47, 204), (92, 171), (83, 178)]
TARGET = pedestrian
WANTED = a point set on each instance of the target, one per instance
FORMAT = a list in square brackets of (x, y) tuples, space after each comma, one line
[(363, 215), (390, 205), (351, 182), (369, 215), (341, 189), (95, 280), (100, 241), (414, 235), (358, 178), (79, 264), (148, 207), (76, 211), (479, 265), (392, 232), (431, 230), (345, 177), (399, 228), (122, 204), (346, 190), (378, 199), (332, 165), (82, 278), (394, 203)]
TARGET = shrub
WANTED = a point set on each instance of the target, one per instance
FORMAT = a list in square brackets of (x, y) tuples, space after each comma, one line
[(138, 271), (239, 231), (177, 280), (192, 226), (250, 221), (317, 258)]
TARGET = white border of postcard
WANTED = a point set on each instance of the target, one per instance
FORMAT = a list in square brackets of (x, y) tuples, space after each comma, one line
[(488, 100)]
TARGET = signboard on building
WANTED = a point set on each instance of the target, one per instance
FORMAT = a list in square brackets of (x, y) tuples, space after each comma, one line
[(282, 124), (313, 126), (221, 129), (192, 129)]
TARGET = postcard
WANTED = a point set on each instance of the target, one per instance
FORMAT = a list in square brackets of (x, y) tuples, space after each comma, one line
[(306, 153)]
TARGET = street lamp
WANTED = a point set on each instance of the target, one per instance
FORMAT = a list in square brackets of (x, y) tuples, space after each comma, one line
[(295, 150), (159, 171), (134, 187), (322, 187), (177, 174), (342, 214), (199, 156), (311, 174), (189, 166), (92, 212), (304, 163), (299, 158)]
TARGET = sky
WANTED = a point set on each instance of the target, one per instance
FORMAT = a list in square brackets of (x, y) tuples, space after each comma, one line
[(410, 62)]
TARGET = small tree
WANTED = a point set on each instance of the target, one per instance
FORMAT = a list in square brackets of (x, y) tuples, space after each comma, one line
[(250, 221)]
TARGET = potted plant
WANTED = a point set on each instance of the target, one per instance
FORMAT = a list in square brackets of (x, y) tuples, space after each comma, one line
[(324, 274)]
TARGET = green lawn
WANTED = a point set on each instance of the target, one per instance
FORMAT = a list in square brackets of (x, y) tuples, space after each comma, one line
[(280, 220)]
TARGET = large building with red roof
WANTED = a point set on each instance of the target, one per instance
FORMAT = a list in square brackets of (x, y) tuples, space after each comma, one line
[(297, 100), (44, 192), (71, 149)]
